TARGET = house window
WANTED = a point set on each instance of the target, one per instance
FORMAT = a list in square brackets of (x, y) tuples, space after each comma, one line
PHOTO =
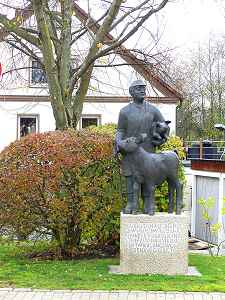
[(37, 73), (27, 124), (90, 120)]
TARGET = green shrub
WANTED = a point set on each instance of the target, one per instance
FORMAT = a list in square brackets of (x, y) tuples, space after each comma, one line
[(109, 129), (64, 184), (212, 229)]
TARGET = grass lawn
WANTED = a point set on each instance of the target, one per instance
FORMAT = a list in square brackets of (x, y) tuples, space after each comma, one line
[(92, 274)]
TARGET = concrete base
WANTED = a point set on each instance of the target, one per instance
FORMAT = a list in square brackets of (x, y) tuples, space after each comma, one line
[(154, 244), (192, 271)]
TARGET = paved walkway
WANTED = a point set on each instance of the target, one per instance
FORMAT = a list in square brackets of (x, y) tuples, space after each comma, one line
[(28, 294)]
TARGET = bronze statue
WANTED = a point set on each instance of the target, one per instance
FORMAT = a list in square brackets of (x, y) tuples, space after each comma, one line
[(150, 170), (136, 119)]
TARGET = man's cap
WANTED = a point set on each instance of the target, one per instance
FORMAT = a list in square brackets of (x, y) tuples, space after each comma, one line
[(137, 83)]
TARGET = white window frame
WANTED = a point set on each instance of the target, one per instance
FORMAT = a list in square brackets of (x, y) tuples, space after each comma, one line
[(19, 116), (90, 116)]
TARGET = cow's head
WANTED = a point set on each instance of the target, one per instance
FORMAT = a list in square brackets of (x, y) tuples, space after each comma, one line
[(162, 127)]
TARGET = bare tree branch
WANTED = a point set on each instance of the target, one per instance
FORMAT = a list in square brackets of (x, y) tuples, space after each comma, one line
[(90, 25), (24, 49), (117, 43), (133, 9), (113, 11), (13, 26)]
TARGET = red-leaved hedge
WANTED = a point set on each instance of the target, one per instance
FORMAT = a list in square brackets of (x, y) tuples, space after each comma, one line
[(61, 183)]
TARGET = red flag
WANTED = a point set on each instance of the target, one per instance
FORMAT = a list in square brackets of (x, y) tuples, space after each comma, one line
[(0, 70)]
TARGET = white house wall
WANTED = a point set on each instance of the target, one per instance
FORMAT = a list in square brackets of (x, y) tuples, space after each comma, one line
[(8, 118), (108, 112)]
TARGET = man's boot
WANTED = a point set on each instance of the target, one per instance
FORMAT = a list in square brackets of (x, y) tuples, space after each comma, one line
[(132, 201)]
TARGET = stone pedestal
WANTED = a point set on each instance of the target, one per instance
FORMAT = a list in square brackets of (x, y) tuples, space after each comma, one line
[(154, 244)]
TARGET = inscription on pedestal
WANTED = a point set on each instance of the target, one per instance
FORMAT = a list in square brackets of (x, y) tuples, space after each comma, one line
[(154, 244), (145, 237)]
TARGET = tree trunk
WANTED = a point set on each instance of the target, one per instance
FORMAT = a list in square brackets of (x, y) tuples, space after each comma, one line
[(68, 240)]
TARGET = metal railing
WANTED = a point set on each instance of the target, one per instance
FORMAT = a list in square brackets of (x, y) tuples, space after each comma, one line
[(205, 149)]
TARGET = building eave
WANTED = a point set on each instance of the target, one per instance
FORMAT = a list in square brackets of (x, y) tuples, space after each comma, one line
[(88, 99)]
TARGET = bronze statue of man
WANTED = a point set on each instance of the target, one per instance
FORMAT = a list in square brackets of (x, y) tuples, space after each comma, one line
[(135, 119)]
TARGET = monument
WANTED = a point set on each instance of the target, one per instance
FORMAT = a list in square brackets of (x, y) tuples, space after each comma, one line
[(150, 243)]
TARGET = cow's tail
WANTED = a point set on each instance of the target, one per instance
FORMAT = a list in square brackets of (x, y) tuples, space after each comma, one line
[(175, 150), (177, 153)]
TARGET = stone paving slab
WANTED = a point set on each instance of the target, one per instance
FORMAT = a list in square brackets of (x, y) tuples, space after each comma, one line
[(29, 294)]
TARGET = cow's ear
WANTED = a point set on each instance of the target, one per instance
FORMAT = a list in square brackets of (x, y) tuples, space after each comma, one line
[(167, 122)]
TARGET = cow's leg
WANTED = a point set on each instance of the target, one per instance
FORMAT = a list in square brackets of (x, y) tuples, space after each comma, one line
[(149, 199), (179, 198), (171, 190), (136, 188), (132, 196)]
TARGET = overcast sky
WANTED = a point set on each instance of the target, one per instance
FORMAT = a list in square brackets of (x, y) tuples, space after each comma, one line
[(188, 22)]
